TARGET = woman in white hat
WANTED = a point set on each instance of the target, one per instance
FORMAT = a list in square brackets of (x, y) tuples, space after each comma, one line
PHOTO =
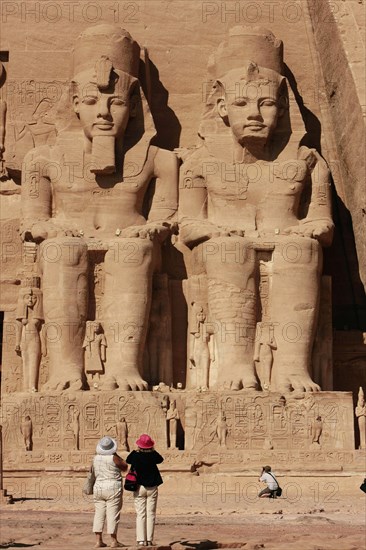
[(145, 461), (107, 490)]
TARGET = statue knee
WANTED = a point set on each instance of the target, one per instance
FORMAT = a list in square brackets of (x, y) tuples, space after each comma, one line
[(129, 254), (298, 251), (228, 251), (64, 251)]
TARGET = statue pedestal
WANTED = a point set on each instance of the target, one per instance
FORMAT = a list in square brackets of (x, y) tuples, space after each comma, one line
[(66, 427)]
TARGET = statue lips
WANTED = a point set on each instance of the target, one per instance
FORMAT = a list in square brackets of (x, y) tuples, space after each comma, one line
[(103, 125), (255, 126)]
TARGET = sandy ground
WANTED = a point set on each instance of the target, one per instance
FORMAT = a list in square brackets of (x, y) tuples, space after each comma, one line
[(187, 522)]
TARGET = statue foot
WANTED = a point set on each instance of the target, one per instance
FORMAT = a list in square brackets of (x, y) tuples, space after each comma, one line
[(238, 383), (125, 382), (133, 383), (66, 383), (294, 382)]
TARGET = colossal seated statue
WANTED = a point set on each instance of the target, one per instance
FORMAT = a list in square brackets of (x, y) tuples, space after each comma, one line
[(255, 211), (102, 188)]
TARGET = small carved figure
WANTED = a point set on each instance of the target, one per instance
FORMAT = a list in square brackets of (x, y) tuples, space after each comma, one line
[(95, 345), (201, 349), (222, 429), (38, 131), (122, 434), (74, 425), (265, 343), (28, 342), (316, 429), (3, 108), (27, 431), (360, 412), (172, 417)]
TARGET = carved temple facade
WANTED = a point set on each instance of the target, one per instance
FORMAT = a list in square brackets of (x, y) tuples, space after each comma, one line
[(182, 249)]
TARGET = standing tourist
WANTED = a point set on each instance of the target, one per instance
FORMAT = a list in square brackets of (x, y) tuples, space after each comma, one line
[(145, 461), (108, 468)]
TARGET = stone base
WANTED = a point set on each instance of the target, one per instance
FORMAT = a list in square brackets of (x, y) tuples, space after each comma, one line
[(224, 428)]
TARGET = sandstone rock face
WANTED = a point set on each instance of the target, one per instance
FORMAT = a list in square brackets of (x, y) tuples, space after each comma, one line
[(138, 256)]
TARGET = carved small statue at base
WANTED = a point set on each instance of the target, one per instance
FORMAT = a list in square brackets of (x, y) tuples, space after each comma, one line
[(95, 345), (74, 425), (3, 108), (201, 349), (28, 341), (27, 432), (222, 429), (265, 343), (172, 417), (122, 434), (360, 412), (316, 430)]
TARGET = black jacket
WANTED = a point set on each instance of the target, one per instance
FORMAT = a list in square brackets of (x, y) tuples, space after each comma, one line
[(145, 464)]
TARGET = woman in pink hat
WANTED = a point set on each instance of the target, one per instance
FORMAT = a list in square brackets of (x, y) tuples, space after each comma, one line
[(145, 461)]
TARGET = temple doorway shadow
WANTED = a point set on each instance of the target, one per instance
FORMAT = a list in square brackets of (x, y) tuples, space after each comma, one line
[(167, 124)]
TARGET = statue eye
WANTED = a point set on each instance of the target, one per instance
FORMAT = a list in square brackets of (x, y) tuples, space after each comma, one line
[(240, 102), (267, 103), (117, 101), (90, 100)]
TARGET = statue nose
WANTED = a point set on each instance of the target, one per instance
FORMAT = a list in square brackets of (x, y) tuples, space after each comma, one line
[(254, 112), (103, 109)]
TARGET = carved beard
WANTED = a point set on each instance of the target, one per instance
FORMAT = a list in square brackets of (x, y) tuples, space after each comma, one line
[(103, 155)]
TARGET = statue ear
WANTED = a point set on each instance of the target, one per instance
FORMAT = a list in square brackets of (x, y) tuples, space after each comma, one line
[(75, 103), (221, 108)]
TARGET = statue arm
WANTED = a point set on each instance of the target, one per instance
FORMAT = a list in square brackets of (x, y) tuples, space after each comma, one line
[(165, 201), (194, 227), (318, 222), (36, 196)]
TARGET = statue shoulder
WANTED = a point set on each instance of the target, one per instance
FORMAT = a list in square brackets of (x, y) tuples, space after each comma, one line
[(161, 159), (39, 154), (194, 163)]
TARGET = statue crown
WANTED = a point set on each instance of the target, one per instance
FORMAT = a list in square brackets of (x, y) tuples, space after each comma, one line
[(104, 42), (247, 44)]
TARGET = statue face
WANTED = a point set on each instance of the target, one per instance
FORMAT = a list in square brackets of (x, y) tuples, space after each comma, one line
[(30, 299), (102, 112), (201, 317), (252, 112)]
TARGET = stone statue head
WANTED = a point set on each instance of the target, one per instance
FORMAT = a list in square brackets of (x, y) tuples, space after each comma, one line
[(30, 297), (251, 100), (97, 327), (106, 61)]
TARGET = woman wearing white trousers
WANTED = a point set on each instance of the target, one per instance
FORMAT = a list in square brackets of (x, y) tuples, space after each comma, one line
[(145, 461), (107, 490)]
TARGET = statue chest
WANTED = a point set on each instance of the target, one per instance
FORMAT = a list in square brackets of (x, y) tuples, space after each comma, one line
[(253, 184), (82, 193)]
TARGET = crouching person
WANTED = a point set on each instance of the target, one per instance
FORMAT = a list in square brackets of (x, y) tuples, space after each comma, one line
[(272, 484)]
